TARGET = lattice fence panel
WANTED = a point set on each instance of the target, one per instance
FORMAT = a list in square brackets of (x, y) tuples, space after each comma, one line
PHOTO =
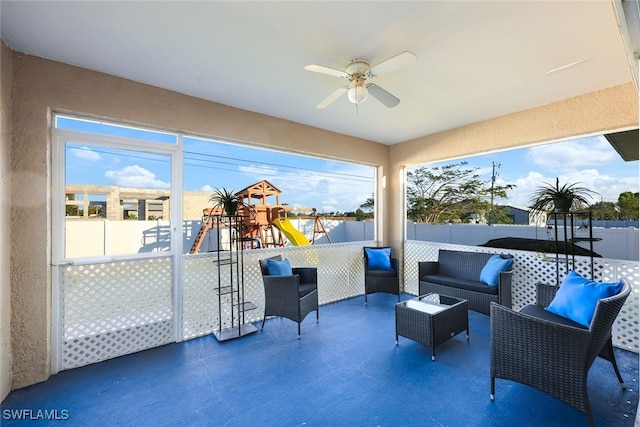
[(117, 308), (199, 297), (340, 276), (530, 268)]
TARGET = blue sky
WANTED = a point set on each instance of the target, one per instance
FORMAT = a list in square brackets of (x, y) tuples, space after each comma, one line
[(331, 186), (325, 185), (590, 161)]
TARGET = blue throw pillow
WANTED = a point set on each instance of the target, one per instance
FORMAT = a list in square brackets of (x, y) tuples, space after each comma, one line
[(577, 297), (378, 258), (279, 268), (490, 273)]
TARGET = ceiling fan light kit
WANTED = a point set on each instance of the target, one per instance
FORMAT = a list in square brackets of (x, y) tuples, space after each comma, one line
[(358, 92), (357, 72)]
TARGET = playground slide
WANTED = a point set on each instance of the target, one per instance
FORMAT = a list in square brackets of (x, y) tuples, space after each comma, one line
[(295, 237)]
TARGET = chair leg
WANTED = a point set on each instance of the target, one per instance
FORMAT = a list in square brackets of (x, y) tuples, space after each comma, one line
[(298, 330), (263, 319), (493, 389), (608, 354), (615, 368), (365, 298)]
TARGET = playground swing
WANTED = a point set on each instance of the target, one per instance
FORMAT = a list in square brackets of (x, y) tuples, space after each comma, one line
[(295, 237)]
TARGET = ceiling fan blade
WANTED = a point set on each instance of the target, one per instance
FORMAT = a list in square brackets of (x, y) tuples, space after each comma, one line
[(326, 70), (401, 60), (331, 98), (382, 95)]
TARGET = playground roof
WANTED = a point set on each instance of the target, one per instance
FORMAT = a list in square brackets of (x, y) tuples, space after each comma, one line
[(259, 190)]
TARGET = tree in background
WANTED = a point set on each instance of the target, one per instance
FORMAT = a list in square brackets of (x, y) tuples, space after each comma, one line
[(452, 193), (604, 210), (628, 205), (71, 210), (499, 215), (369, 204), (366, 209)]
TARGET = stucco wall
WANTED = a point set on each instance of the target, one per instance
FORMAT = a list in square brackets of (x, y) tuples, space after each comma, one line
[(5, 194), (598, 112), (44, 86)]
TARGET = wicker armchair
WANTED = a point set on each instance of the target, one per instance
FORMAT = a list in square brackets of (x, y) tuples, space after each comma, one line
[(551, 353), (293, 296), (381, 280)]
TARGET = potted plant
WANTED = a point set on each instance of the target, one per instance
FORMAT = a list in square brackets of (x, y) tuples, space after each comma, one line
[(560, 198), (225, 199)]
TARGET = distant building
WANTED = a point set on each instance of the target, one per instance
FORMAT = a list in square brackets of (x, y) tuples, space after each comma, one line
[(525, 216), (119, 203)]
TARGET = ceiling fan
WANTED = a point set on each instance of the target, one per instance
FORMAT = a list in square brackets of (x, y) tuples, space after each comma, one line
[(357, 72)]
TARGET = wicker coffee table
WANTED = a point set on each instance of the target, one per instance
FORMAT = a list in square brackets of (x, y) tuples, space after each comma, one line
[(432, 319)]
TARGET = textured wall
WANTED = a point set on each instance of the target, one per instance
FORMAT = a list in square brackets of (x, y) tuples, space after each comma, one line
[(30, 221), (5, 194), (43, 87)]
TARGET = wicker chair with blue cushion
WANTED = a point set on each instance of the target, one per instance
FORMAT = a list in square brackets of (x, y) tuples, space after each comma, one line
[(289, 292), (380, 272), (554, 352)]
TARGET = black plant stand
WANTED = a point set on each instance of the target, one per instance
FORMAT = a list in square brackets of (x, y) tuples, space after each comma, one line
[(231, 294), (569, 239), (570, 259)]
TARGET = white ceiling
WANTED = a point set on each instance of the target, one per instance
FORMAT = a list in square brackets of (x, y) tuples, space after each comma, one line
[(476, 59)]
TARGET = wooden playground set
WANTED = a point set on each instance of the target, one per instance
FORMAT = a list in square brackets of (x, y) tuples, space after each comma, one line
[(264, 224)]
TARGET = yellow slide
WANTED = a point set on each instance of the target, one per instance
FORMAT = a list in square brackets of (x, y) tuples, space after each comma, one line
[(295, 237)]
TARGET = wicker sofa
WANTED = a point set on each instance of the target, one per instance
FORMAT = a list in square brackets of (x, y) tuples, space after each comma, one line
[(457, 274)]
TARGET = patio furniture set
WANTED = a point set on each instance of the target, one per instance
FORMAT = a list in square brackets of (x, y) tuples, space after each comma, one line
[(549, 345)]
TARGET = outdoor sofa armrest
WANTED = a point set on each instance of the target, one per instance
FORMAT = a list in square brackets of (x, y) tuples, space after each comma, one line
[(426, 268), (308, 275), (504, 288), (545, 294)]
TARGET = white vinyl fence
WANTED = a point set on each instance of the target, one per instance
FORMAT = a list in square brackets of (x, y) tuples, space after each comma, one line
[(153, 236)]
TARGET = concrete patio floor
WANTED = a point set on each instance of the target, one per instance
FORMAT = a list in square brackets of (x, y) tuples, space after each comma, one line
[(345, 370)]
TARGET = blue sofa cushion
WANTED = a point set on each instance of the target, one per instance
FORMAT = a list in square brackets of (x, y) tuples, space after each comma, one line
[(279, 268), (490, 273), (378, 258), (578, 296)]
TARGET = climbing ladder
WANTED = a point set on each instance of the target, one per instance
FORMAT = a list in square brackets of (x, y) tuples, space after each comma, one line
[(271, 238), (207, 224)]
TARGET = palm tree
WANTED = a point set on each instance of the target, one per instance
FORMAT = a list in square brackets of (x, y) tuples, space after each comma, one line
[(560, 198)]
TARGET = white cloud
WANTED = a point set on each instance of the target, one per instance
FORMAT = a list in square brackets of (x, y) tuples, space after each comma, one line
[(572, 155), (136, 177), (608, 187), (85, 153), (329, 205), (207, 188)]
